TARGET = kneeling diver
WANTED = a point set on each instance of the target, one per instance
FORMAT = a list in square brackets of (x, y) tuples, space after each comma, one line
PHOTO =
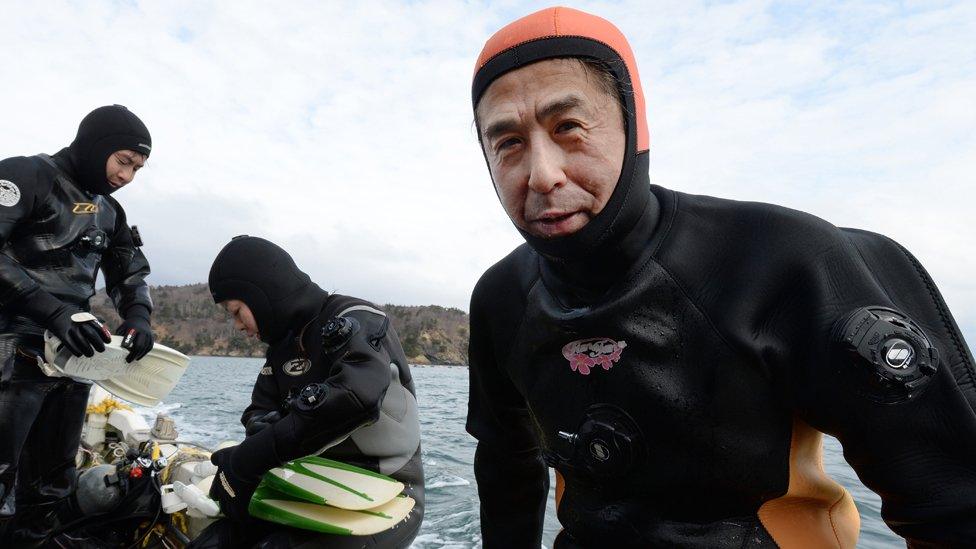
[(336, 383)]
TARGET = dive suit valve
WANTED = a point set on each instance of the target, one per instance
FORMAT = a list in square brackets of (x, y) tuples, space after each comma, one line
[(337, 332), (894, 357), (311, 396), (607, 444)]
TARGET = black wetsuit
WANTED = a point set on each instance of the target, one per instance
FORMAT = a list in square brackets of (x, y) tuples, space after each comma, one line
[(721, 316), (372, 400), (55, 236), (368, 417)]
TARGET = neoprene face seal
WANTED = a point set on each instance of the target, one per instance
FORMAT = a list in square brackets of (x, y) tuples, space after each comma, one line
[(564, 32)]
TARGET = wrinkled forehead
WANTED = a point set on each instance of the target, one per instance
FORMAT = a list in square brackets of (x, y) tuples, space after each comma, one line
[(542, 88)]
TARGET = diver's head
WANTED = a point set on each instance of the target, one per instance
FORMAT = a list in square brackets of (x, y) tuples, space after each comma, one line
[(111, 145), (261, 276), (560, 117)]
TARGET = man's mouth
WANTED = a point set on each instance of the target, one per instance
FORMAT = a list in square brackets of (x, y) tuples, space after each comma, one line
[(557, 223), (554, 217)]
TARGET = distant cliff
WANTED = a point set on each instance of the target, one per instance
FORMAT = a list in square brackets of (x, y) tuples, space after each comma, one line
[(186, 319)]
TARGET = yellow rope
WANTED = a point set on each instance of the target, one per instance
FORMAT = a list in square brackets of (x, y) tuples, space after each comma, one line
[(180, 522), (184, 455), (107, 406)]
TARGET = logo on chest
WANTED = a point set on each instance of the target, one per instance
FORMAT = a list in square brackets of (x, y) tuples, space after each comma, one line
[(296, 366), (586, 354), (84, 208)]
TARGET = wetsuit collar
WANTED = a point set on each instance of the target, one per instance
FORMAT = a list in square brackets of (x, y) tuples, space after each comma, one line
[(579, 282), (301, 309), (63, 160), (309, 340)]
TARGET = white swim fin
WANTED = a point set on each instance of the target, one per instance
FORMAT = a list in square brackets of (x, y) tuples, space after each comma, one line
[(145, 382)]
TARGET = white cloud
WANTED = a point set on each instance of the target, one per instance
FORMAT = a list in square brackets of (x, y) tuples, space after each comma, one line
[(343, 131)]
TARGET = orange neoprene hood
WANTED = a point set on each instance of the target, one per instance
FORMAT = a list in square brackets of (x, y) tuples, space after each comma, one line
[(564, 32)]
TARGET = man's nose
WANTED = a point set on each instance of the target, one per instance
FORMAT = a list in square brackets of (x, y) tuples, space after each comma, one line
[(546, 169)]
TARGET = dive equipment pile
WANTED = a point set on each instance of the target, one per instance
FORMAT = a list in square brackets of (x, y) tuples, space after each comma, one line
[(138, 485)]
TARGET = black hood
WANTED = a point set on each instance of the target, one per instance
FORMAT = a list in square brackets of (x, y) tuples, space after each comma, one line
[(104, 131), (606, 243), (266, 278)]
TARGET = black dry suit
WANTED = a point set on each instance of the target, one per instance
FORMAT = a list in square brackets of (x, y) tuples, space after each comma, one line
[(678, 362), (368, 416), (58, 226)]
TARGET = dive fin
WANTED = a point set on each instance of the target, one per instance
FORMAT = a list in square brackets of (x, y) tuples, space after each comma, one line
[(271, 505), (144, 382), (326, 482), (147, 381)]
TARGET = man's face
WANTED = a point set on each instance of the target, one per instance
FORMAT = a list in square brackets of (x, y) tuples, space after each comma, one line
[(243, 317), (555, 142), (121, 167)]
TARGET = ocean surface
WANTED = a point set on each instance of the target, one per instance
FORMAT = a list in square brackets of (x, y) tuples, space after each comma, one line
[(208, 401)]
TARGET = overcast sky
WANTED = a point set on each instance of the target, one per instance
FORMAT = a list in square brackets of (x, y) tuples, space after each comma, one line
[(343, 131)]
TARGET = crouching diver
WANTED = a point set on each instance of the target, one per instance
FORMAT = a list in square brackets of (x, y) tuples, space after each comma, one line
[(336, 384), (676, 358), (58, 225)]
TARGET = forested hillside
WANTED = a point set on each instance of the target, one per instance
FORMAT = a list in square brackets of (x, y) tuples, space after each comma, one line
[(186, 318)]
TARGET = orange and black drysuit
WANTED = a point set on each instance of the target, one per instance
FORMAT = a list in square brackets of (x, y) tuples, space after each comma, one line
[(678, 359)]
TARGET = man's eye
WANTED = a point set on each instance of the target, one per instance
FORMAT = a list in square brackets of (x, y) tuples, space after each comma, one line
[(566, 126), (508, 143)]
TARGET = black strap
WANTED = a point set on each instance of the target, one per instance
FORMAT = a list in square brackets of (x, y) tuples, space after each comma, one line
[(376, 337), (7, 369)]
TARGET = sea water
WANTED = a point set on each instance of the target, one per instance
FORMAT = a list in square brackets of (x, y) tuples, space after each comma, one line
[(208, 402)]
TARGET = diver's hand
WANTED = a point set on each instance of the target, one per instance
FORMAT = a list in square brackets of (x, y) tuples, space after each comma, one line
[(81, 333), (136, 333), (231, 491), (259, 423)]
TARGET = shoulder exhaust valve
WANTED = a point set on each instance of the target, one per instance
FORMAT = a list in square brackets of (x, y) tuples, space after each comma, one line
[(892, 357)]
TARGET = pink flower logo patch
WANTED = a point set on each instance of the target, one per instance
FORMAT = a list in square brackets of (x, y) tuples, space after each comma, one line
[(585, 354)]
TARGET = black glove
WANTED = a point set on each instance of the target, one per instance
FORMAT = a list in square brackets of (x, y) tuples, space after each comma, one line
[(82, 335), (136, 333), (231, 490), (257, 424)]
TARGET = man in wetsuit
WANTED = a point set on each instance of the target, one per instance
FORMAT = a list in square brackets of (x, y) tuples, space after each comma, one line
[(342, 351), (58, 225), (676, 358)]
